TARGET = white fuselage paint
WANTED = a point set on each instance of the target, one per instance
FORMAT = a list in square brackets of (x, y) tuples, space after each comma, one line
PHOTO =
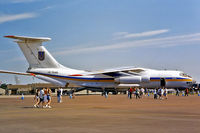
[(173, 79)]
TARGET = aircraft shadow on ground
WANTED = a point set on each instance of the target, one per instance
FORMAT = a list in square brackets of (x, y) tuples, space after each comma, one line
[(27, 107)]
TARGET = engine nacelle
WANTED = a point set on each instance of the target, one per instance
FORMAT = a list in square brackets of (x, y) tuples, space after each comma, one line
[(132, 80)]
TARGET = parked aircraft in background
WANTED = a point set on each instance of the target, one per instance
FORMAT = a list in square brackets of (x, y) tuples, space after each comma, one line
[(43, 66)]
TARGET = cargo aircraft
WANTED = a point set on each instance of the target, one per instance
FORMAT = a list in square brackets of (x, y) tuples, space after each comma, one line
[(42, 65)]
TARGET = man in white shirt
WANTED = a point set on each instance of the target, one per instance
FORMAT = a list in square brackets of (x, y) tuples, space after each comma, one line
[(162, 92), (41, 96), (155, 93), (141, 92)]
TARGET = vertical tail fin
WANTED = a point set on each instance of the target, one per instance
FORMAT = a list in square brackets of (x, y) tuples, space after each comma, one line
[(36, 54)]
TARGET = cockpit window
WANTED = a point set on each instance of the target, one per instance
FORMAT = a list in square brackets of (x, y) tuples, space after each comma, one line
[(185, 75)]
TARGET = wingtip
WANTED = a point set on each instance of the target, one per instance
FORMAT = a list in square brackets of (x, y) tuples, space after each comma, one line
[(9, 36)]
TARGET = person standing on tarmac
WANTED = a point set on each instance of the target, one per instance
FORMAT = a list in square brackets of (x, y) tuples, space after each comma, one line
[(141, 92), (159, 93), (48, 98), (41, 96), (45, 96), (37, 99), (177, 92), (59, 95), (145, 91), (137, 93), (130, 93), (162, 93), (186, 92), (155, 93), (134, 89), (165, 93)]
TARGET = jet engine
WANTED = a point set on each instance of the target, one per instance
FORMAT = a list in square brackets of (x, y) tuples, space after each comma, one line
[(132, 80)]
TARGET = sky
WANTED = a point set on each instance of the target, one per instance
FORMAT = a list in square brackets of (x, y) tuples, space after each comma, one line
[(101, 34)]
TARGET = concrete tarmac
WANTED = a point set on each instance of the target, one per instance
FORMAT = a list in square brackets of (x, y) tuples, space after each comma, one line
[(96, 114)]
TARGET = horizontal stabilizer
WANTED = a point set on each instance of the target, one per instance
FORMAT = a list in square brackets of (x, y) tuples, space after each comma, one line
[(25, 38)]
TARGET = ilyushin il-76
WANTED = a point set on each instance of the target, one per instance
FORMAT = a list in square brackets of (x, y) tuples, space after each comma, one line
[(43, 65)]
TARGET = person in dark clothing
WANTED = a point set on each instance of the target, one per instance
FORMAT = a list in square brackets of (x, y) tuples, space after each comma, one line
[(59, 95), (128, 93), (137, 93), (186, 91), (155, 93), (145, 91), (159, 93)]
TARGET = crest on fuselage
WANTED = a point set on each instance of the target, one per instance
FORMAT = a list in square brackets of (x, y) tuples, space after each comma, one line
[(41, 55)]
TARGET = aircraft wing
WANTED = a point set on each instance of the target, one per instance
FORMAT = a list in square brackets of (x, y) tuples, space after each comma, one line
[(125, 70), (17, 73), (111, 70), (44, 78)]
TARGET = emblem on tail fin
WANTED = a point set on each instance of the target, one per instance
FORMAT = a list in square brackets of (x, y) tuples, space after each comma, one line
[(41, 55)]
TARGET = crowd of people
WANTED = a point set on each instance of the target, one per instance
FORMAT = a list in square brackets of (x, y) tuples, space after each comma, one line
[(160, 93), (187, 91), (43, 96), (138, 93)]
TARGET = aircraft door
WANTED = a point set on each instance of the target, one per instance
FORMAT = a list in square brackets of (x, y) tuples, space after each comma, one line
[(162, 82)]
